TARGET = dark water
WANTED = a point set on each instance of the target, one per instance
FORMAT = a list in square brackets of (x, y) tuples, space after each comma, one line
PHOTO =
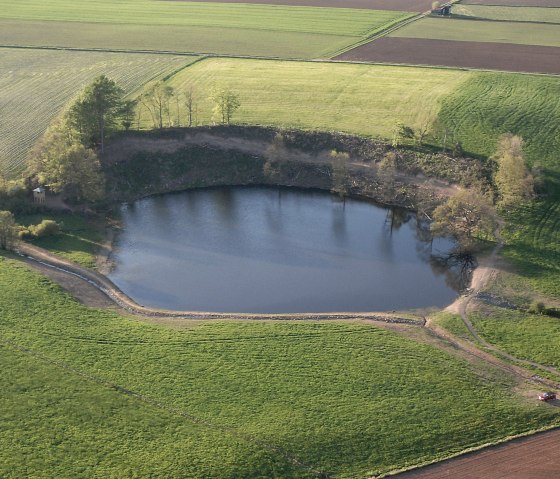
[(269, 250)]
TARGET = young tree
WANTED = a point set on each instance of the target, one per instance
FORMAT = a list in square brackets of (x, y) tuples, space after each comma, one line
[(226, 103), (61, 161), (274, 155), (97, 112), (156, 99), (400, 133), (465, 217), (191, 104), (513, 180), (8, 230), (339, 168), (128, 113)]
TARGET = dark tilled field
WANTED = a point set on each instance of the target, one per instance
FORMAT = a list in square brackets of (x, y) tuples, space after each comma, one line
[(535, 457), (396, 5), (491, 56), (514, 3)]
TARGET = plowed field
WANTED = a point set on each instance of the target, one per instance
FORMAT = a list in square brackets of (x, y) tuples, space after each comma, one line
[(491, 56), (535, 457)]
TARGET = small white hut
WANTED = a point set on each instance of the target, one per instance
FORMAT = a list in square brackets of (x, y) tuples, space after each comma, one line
[(39, 195)]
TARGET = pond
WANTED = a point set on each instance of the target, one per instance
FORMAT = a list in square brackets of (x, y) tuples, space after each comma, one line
[(273, 250)]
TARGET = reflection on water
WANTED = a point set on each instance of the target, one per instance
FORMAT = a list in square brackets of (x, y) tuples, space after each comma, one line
[(269, 250)]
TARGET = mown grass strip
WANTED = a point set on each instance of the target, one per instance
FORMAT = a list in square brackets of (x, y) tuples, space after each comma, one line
[(360, 99), (337, 21), (514, 14), (482, 31)]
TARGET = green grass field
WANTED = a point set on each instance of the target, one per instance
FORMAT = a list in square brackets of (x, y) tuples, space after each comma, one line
[(526, 336), (491, 104), (79, 239), (515, 14), (482, 31), (234, 399), (360, 99), (35, 85), (242, 29)]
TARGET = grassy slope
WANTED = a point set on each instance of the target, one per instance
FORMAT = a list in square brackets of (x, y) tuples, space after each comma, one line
[(482, 31), (301, 32), (323, 392), (78, 240), (36, 84), (516, 14), (491, 104), (360, 99), (526, 336)]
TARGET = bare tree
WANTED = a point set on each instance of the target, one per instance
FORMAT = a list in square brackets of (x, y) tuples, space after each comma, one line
[(191, 104), (339, 168), (156, 99)]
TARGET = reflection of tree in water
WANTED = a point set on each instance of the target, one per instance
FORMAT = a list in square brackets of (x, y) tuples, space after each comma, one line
[(396, 217), (456, 266)]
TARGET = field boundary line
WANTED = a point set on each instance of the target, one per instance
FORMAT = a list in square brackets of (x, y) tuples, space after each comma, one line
[(207, 56), (160, 405)]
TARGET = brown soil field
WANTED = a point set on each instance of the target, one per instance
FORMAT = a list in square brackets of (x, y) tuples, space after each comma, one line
[(534, 457), (395, 5), (514, 3), (490, 56)]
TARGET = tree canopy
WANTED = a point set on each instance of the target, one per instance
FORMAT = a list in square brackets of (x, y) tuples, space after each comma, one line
[(99, 110), (467, 216), (513, 180), (66, 165)]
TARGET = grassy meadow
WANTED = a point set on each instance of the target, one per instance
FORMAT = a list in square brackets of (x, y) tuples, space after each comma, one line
[(482, 31), (526, 336), (35, 85), (232, 29), (231, 399), (513, 14), (491, 104), (361, 99)]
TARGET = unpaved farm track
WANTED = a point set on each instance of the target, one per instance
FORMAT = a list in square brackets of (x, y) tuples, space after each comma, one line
[(395, 5), (534, 457), (447, 53)]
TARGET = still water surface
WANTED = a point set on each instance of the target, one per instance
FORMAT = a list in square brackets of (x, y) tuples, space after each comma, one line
[(275, 250)]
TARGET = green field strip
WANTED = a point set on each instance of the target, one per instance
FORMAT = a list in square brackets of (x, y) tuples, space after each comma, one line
[(36, 84), (322, 392), (157, 38), (482, 31), (361, 99), (332, 21), (514, 14)]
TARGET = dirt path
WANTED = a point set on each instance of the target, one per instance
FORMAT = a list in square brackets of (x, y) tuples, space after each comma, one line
[(482, 276)]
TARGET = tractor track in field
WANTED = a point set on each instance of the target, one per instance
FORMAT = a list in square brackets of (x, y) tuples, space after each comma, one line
[(165, 407), (102, 293)]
